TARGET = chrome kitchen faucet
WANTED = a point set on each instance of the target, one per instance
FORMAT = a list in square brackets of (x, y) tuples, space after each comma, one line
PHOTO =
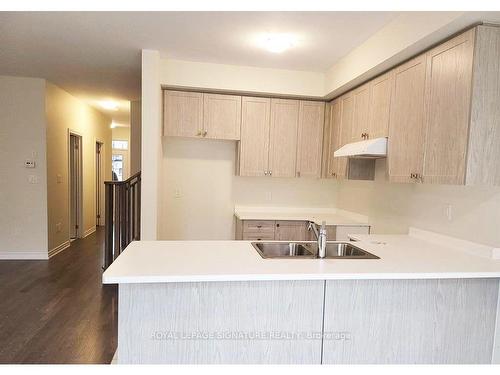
[(320, 236)]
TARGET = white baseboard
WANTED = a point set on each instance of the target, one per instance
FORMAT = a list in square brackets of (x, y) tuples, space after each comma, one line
[(58, 249), (24, 255), (89, 231)]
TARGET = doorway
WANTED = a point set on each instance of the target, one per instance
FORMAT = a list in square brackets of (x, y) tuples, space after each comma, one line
[(99, 184), (75, 185)]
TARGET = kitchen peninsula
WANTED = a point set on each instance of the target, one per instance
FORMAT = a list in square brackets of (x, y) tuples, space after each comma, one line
[(428, 299)]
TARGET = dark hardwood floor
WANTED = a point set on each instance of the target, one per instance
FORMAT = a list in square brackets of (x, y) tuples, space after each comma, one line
[(57, 311)]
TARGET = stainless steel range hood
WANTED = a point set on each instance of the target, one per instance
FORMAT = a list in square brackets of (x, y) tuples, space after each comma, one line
[(370, 149)]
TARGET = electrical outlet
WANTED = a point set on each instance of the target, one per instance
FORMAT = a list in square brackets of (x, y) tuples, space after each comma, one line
[(177, 193), (58, 227), (32, 179), (29, 163), (269, 196), (59, 179), (449, 212)]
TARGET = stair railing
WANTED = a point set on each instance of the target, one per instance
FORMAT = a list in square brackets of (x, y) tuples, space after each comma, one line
[(122, 216)]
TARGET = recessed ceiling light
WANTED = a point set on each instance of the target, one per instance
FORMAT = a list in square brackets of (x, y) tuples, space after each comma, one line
[(109, 104), (278, 43)]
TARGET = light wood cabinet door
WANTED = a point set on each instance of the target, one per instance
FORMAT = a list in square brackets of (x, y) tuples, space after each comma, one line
[(335, 140), (448, 98), (346, 110), (182, 113), (407, 126), (254, 144), (310, 138), (283, 137), (361, 114), (290, 231), (325, 157), (221, 116), (381, 89)]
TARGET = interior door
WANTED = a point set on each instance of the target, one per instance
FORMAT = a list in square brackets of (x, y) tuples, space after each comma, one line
[(75, 173), (99, 185)]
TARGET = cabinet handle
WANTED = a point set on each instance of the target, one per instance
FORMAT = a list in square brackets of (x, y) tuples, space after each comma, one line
[(270, 173), (205, 133), (199, 133), (265, 173), (298, 173)]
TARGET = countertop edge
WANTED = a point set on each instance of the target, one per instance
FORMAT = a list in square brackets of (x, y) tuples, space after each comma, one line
[(298, 277)]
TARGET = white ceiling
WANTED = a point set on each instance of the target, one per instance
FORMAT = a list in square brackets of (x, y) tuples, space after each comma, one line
[(96, 55)]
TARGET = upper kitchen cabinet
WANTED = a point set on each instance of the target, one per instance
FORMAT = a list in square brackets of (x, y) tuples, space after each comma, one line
[(325, 152), (381, 90), (335, 165), (253, 151), (448, 100), (310, 138), (484, 133), (361, 113), (283, 137), (405, 159), (221, 116), (445, 119), (182, 114), (193, 114), (340, 122)]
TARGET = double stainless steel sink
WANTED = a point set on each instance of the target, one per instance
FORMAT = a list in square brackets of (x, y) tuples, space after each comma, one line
[(309, 250)]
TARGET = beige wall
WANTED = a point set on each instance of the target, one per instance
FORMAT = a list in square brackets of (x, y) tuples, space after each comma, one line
[(23, 222), (65, 112), (241, 78), (151, 139), (135, 136), (392, 208), (200, 190)]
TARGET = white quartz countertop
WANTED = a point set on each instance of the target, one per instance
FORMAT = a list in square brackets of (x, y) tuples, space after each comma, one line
[(316, 215), (418, 255)]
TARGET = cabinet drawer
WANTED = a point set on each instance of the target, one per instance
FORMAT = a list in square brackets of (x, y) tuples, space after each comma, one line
[(258, 226), (256, 236)]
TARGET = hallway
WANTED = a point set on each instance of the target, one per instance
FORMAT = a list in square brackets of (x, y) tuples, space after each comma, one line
[(58, 311)]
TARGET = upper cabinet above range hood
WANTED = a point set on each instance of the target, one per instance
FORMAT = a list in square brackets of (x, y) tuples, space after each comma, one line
[(372, 148)]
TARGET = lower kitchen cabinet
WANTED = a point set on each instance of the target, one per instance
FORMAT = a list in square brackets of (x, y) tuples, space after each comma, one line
[(250, 322), (439, 321), (292, 230), (429, 321)]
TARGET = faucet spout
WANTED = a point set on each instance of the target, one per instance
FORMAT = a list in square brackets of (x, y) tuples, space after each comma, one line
[(320, 236)]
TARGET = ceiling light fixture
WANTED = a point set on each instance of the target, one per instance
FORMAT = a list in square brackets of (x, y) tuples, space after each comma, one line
[(278, 43), (109, 104)]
